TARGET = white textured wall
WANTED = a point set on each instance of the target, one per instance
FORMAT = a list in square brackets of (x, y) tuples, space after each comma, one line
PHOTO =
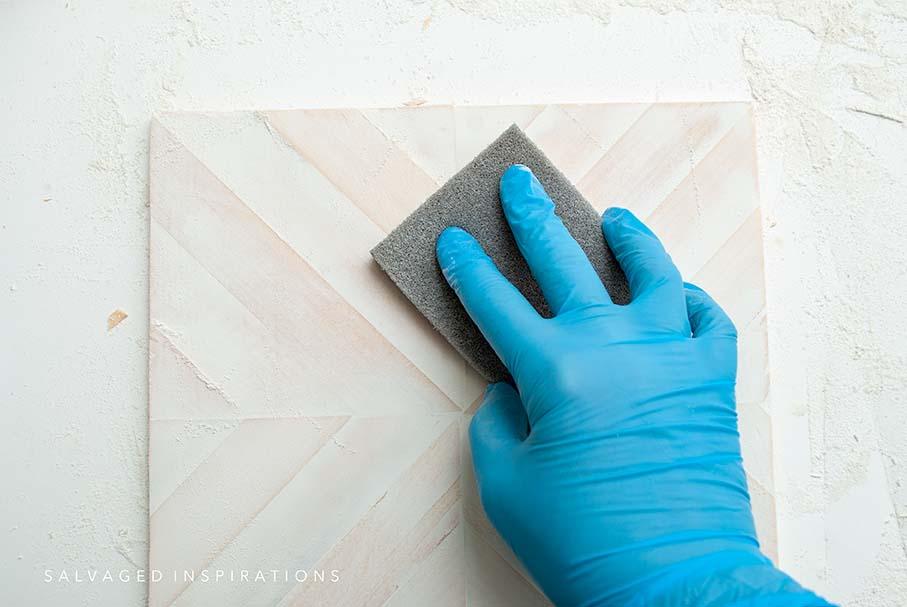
[(79, 81)]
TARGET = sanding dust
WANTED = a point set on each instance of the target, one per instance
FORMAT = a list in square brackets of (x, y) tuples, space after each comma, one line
[(115, 318)]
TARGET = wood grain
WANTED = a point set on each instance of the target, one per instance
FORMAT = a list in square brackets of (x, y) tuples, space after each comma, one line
[(304, 416)]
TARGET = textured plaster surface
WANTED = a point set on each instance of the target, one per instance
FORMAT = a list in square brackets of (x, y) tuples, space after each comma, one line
[(80, 81)]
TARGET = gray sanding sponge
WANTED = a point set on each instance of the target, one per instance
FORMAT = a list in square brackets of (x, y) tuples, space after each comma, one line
[(471, 200)]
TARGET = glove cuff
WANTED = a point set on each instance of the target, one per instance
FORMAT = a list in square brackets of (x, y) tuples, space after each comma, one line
[(725, 579)]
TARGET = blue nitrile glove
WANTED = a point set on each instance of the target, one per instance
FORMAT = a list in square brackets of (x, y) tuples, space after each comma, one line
[(613, 469)]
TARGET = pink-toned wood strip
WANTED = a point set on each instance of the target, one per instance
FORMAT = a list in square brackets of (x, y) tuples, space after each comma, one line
[(282, 290), (416, 515), (484, 539), (763, 501), (712, 201), (492, 581), (327, 499), (226, 492), (605, 123), (477, 126), (752, 361), (474, 406), (417, 131), (734, 275), (358, 159), (656, 154), (574, 137), (439, 580), (755, 426)]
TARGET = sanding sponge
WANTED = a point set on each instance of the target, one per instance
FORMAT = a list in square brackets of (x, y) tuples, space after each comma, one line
[(470, 200)]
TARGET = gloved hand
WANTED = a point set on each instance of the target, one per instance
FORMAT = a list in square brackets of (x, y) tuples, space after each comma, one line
[(613, 467)]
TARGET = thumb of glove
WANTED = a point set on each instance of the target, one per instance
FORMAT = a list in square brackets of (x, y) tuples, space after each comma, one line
[(498, 428)]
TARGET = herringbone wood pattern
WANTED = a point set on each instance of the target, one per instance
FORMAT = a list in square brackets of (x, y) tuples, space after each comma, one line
[(303, 416)]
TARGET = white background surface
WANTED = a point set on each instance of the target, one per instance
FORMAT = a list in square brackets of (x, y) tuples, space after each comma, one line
[(80, 80)]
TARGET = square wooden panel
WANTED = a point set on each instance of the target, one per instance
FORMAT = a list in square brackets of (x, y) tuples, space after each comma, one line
[(303, 416)]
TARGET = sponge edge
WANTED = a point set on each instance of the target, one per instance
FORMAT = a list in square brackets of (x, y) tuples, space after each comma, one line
[(470, 200)]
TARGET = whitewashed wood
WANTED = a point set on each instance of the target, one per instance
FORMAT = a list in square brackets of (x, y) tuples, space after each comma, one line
[(304, 415), (179, 448), (326, 229), (359, 160), (657, 153)]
